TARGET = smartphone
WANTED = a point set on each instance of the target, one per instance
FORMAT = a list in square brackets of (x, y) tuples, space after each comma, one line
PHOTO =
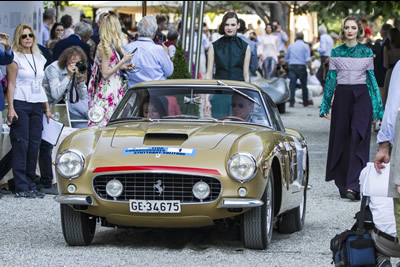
[(9, 123), (132, 52)]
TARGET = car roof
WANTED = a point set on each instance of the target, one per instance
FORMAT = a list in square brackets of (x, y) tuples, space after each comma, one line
[(195, 82)]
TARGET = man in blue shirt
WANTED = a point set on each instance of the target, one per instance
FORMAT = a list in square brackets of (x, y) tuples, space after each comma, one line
[(325, 48), (49, 17), (298, 57), (152, 61), (253, 47)]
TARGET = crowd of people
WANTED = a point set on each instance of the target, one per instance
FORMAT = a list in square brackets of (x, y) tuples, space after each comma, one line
[(91, 66)]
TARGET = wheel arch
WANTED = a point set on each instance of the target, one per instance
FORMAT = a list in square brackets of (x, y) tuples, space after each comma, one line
[(277, 173)]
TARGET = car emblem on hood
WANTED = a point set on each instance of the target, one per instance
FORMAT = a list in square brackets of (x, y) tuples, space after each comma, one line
[(158, 186)]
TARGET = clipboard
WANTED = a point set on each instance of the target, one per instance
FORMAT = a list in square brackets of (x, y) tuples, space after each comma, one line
[(51, 131)]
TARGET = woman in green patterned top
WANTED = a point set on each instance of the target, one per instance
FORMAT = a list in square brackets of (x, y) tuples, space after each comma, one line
[(356, 103)]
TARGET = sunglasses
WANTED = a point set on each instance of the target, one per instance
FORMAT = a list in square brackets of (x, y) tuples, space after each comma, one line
[(239, 105), (24, 36)]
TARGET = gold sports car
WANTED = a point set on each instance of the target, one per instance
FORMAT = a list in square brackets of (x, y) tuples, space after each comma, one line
[(185, 153)]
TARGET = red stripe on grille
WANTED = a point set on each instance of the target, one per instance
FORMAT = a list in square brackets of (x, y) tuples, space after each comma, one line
[(155, 168)]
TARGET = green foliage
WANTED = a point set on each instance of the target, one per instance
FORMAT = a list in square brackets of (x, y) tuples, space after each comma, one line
[(181, 72), (329, 11), (180, 64)]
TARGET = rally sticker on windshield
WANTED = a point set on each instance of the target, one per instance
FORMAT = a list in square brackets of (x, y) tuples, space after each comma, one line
[(188, 152)]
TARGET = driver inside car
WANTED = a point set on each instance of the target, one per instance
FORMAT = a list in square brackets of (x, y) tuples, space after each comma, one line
[(242, 107)]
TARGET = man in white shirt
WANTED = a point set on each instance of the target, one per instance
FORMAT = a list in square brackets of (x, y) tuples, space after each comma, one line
[(387, 138), (384, 233)]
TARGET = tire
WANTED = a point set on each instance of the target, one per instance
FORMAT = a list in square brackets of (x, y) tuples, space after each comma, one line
[(78, 227), (293, 220), (281, 108), (257, 224)]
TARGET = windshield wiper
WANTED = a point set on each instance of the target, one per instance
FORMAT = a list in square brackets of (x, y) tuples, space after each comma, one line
[(239, 92)]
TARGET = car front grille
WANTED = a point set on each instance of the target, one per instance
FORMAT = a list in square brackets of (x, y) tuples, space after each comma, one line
[(143, 186)]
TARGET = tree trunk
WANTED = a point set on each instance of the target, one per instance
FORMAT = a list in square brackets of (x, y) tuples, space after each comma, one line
[(260, 10)]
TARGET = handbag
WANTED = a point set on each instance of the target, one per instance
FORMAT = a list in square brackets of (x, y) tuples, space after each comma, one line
[(354, 247)]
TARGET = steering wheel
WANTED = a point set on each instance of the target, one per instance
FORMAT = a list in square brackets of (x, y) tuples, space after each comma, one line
[(231, 118)]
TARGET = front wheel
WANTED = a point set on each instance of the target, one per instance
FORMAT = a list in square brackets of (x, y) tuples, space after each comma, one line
[(257, 224), (78, 227)]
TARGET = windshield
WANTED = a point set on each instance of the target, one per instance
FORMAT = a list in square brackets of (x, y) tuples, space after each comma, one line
[(191, 104)]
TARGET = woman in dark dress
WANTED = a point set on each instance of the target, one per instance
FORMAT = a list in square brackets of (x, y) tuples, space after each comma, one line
[(231, 55), (357, 102)]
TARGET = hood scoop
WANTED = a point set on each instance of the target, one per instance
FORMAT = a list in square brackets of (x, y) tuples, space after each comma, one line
[(158, 138), (166, 136)]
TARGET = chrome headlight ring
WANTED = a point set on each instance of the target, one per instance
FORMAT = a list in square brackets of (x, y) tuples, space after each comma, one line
[(242, 167), (70, 163)]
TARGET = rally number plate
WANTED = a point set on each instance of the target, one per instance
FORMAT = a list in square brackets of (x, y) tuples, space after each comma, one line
[(155, 206)]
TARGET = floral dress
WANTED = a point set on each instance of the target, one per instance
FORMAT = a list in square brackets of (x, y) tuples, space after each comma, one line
[(109, 92)]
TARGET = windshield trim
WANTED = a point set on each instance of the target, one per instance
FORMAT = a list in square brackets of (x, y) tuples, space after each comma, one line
[(192, 121), (208, 86)]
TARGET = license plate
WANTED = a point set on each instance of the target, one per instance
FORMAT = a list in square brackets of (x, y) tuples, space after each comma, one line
[(155, 206)]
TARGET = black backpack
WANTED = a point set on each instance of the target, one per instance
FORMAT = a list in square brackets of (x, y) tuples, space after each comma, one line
[(355, 247)]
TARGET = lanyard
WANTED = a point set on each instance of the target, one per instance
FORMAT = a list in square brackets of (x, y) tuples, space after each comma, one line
[(34, 63)]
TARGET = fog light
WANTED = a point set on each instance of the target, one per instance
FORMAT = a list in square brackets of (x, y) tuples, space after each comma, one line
[(114, 188), (201, 190), (71, 188), (242, 192)]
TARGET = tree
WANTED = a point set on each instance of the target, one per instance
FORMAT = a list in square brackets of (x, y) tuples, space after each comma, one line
[(180, 64), (337, 10)]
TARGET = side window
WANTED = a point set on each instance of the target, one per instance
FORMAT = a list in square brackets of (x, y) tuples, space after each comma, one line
[(273, 113)]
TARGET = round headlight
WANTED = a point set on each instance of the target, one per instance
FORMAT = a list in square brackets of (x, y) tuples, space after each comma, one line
[(201, 190), (242, 167), (70, 163), (114, 188), (96, 114)]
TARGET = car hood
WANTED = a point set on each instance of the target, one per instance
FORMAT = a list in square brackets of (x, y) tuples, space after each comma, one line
[(201, 136)]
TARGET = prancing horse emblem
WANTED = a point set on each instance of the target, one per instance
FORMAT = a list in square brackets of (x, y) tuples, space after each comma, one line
[(158, 186)]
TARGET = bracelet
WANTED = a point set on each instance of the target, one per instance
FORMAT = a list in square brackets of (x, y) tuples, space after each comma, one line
[(47, 110)]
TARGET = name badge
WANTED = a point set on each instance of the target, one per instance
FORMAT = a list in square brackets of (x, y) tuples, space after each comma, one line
[(35, 87)]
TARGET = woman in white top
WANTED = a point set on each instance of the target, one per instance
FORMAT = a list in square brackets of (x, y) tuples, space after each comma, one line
[(267, 51), (27, 101)]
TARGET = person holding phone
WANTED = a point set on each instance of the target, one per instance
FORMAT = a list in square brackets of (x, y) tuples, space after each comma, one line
[(108, 90), (151, 61), (27, 101)]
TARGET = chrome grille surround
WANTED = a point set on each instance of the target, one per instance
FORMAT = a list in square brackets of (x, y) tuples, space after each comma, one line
[(140, 186)]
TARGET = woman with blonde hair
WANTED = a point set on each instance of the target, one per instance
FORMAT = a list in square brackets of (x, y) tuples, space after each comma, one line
[(106, 87), (357, 102), (27, 101)]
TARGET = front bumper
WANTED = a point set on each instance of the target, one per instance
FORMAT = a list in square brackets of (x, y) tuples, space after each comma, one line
[(75, 200), (229, 203)]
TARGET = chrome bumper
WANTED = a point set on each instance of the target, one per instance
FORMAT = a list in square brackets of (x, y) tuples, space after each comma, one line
[(241, 203), (74, 200)]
